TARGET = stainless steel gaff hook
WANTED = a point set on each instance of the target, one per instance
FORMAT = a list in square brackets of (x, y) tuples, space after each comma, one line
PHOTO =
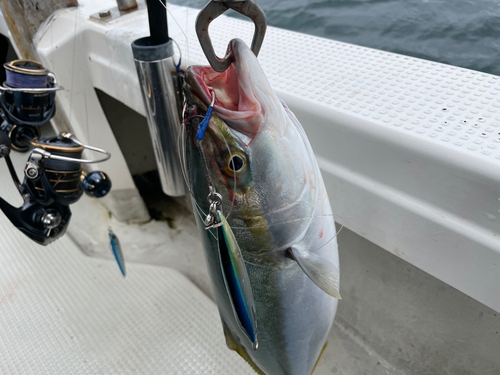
[(213, 10)]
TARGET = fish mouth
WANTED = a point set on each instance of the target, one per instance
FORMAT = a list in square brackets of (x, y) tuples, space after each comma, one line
[(236, 89)]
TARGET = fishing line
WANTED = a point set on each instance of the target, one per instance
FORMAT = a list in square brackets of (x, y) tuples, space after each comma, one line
[(199, 141), (285, 222), (181, 151), (201, 214), (234, 177), (336, 234), (305, 141), (296, 220), (73, 66), (204, 124), (52, 43), (181, 136), (264, 250), (187, 26), (202, 127), (183, 160), (175, 20), (84, 87), (21, 80), (86, 115), (200, 134), (178, 65), (204, 161)]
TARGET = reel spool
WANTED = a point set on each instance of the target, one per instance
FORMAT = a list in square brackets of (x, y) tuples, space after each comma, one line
[(53, 180), (27, 101)]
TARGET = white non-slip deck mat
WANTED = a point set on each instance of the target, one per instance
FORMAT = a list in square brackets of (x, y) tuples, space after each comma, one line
[(62, 312)]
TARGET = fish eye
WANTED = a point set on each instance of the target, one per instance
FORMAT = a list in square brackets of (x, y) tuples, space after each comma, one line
[(235, 164)]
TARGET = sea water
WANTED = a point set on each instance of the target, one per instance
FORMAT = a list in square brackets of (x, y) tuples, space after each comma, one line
[(464, 33)]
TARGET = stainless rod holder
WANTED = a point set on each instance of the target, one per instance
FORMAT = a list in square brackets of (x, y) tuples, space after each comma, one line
[(155, 68)]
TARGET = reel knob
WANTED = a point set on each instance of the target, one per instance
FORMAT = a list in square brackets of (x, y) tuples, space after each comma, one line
[(96, 184)]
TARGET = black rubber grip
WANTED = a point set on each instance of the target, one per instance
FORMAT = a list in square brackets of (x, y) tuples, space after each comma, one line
[(158, 26)]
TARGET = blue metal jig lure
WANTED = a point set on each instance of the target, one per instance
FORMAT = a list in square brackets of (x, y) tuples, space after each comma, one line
[(117, 251)]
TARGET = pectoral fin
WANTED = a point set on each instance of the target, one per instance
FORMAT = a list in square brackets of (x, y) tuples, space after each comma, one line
[(322, 272), (237, 281)]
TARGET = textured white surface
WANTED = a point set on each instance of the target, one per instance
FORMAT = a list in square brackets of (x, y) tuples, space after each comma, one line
[(62, 312), (455, 108)]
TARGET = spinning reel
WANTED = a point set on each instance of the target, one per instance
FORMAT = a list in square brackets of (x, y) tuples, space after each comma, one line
[(53, 175)]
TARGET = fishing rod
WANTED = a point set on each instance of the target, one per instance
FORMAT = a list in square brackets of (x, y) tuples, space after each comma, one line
[(53, 174)]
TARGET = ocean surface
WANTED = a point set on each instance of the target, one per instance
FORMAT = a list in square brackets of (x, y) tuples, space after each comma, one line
[(464, 33)]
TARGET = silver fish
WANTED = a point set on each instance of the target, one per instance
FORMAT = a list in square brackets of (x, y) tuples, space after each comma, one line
[(273, 258)]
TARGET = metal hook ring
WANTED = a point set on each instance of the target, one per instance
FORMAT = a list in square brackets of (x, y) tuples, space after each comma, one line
[(215, 198), (213, 208), (213, 10)]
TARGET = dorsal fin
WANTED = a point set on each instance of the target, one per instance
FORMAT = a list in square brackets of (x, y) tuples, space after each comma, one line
[(321, 271)]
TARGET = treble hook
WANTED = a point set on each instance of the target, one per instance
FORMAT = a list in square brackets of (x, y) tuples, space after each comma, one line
[(213, 10)]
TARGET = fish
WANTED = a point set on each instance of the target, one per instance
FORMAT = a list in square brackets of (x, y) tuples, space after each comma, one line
[(263, 214), (116, 248)]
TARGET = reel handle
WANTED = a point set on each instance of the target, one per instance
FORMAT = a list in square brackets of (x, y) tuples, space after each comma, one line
[(96, 184)]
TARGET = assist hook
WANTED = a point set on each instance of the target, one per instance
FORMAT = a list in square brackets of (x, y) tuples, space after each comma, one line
[(213, 10)]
